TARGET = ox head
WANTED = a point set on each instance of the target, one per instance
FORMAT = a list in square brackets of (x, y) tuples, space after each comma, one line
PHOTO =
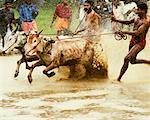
[(14, 39), (15, 34), (38, 42)]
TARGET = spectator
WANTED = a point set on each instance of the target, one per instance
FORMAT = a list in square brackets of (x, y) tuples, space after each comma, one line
[(118, 7), (129, 12), (28, 13), (81, 11), (6, 18), (64, 13), (99, 7), (92, 21)]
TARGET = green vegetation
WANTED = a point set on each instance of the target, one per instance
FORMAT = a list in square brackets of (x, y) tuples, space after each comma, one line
[(46, 14), (45, 17)]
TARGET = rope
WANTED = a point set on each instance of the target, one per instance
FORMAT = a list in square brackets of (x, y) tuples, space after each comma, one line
[(32, 48), (87, 36), (116, 35)]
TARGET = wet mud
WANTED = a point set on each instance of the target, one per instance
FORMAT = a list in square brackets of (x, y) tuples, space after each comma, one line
[(72, 99)]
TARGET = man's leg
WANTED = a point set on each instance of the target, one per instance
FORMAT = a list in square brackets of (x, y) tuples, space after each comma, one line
[(139, 61), (3, 31), (129, 58), (3, 40), (124, 67)]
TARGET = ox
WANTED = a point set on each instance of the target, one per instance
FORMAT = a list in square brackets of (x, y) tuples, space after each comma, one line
[(53, 54), (18, 40)]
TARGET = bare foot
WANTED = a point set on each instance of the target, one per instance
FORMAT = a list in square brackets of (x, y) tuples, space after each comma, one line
[(116, 81)]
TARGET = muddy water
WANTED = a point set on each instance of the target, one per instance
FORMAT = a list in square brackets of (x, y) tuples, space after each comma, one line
[(88, 99)]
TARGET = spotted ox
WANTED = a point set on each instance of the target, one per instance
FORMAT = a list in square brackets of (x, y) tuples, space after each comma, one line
[(53, 54), (26, 55)]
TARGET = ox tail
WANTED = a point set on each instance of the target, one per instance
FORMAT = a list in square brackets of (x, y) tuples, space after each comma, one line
[(100, 60)]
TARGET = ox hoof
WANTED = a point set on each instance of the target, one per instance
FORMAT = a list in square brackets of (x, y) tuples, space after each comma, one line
[(28, 67), (49, 74), (16, 74), (4, 53), (30, 79)]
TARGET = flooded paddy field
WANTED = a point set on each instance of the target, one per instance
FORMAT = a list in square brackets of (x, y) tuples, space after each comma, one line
[(84, 99)]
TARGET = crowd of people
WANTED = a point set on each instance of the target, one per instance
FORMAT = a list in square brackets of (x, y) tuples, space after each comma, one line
[(26, 21), (91, 14), (28, 11)]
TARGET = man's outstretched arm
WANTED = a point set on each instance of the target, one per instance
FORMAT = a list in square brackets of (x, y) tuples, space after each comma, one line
[(140, 30), (127, 22)]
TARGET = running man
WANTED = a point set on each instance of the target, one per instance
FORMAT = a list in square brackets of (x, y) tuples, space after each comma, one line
[(138, 40)]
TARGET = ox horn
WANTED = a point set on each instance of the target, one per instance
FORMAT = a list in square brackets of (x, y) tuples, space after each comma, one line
[(40, 32)]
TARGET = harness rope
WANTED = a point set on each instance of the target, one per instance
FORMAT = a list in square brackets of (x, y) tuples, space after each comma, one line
[(33, 48), (116, 35)]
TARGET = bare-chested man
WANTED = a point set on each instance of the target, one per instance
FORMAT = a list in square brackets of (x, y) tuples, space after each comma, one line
[(138, 40)]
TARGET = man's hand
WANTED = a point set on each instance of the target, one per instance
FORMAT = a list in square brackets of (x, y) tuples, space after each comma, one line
[(120, 35), (119, 32), (113, 18), (75, 33)]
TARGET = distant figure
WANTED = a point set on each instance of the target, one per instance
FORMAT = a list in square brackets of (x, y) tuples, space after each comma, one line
[(128, 10), (118, 7), (81, 11), (98, 8), (6, 19), (27, 14), (104, 9), (138, 40), (63, 13)]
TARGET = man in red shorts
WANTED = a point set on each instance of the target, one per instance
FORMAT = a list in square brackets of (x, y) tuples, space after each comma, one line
[(138, 40), (63, 13)]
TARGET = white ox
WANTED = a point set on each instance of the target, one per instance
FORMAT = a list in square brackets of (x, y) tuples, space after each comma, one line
[(17, 40)]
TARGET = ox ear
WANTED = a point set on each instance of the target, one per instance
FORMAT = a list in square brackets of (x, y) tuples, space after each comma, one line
[(38, 34), (52, 41), (15, 30)]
